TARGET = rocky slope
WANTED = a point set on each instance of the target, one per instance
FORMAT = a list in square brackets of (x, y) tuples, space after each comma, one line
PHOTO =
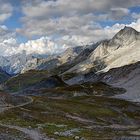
[(41, 64), (15, 63), (83, 55), (122, 49), (127, 77)]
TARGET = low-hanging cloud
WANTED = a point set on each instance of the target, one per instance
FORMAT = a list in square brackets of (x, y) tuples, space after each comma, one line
[(9, 45), (6, 10)]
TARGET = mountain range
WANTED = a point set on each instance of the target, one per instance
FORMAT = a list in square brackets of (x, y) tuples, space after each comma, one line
[(83, 63)]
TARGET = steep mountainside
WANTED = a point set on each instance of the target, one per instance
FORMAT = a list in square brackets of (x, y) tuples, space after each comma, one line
[(83, 55), (41, 64), (122, 49), (127, 77), (33, 79), (25, 80), (70, 54), (54, 61)]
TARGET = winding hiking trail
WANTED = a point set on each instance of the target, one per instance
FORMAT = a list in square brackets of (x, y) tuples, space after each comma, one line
[(31, 133), (3, 108)]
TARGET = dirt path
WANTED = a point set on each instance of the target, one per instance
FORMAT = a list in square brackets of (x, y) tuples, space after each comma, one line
[(79, 119), (116, 127), (33, 134), (21, 105)]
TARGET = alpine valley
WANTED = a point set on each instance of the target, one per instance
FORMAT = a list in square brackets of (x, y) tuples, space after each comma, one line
[(88, 92)]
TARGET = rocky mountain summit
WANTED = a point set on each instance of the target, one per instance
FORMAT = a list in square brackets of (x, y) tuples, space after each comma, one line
[(122, 49)]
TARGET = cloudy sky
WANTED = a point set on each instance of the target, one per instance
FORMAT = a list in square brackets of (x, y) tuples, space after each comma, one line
[(50, 26)]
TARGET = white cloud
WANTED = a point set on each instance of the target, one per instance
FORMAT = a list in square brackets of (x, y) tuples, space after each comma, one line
[(41, 46), (56, 8), (135, 25), (9, 45), (5, 33), (79, 20), (118, 13), (6, 10), (84, 34), (109, 31), (68, 22)]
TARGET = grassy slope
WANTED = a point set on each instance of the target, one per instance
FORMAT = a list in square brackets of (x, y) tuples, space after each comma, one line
[(25, 80), (3, 76), (93, 89), (33, 79), (51, 114)]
